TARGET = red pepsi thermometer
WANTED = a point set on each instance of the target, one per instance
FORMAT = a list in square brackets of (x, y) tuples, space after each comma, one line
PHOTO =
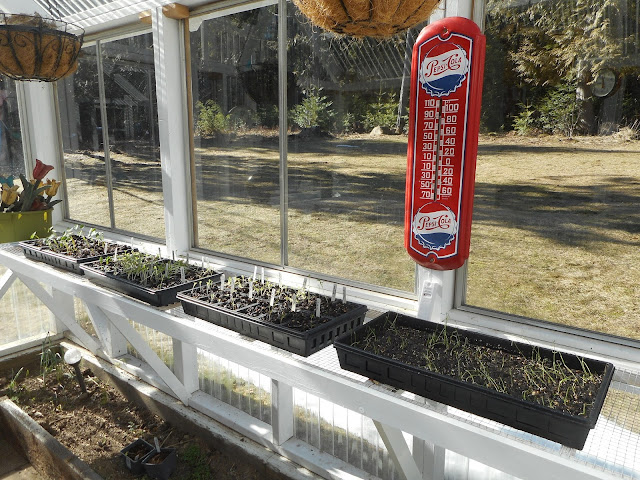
[(444, 116)]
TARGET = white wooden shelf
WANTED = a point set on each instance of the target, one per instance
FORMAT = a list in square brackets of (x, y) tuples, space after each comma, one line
[(612, 449)]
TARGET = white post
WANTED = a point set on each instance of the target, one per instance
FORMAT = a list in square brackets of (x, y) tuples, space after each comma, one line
[(281, 411), (113, 342), (65, 302), (169, 63), (42, 124), (399, 451), (185, 365)]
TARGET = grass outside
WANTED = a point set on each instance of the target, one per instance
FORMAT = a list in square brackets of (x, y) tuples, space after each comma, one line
[(556, 231), (555, 235)]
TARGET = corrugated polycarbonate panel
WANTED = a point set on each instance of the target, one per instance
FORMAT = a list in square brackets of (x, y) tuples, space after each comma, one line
[(65, 8)]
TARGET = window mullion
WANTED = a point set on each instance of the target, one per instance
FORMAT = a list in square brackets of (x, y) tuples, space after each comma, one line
[(105, 133), (282, 103)]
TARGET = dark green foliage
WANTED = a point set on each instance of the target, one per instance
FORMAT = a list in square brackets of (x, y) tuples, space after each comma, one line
[(314, 111), (196, 459), (211, 119), (555, 111)]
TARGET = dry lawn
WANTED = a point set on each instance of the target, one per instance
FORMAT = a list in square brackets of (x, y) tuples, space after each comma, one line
[(556, 231), (556, 222)]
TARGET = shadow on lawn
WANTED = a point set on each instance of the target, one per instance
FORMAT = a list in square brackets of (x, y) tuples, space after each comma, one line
[(569, 215), (573, 216)]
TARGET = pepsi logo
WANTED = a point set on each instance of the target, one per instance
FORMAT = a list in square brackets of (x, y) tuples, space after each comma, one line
[(443, 69), (434, 226)]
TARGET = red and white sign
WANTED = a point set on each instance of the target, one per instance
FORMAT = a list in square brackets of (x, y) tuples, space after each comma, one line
[(446, 92)]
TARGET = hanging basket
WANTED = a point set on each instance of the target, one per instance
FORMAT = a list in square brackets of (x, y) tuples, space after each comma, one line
[(35, 48), (367, 18)]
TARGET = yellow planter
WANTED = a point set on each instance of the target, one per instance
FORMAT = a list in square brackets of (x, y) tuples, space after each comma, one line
[(17, 226)]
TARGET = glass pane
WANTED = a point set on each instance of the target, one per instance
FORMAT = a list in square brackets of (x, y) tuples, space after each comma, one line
[(556, 224), (235, 93), (81, 125), (129, 79), (348, 155), (11, 155)]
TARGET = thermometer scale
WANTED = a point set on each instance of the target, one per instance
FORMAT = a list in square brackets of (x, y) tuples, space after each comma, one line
[(446, 91)]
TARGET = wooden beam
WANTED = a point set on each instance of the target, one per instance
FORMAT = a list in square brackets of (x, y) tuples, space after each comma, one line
[(145, 17), (177, 11), (61, 313), (6, 281), (398, 450), (149, 356), (113, 342)]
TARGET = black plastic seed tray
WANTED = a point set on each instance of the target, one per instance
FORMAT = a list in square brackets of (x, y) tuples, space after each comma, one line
[(156, 297), (303, 343), (561, 427), (65, 262)]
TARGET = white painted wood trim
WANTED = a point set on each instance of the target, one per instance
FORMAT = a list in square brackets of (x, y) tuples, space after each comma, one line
[(172, 129), (399, 451), (113, 342), (185, 365), (61, 313), (43, 135), (6, 281), (63, 301), (143, 348), (281, 411)]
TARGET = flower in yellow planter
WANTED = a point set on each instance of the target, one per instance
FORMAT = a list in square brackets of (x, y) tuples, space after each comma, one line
[(9, 194), (29, 196), (53, 187)]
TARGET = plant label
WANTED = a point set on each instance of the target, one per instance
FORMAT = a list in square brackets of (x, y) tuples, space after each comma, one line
[(446, 91), (273, 297), (333, 294), (318, 307), (222, 282), (344, 294)]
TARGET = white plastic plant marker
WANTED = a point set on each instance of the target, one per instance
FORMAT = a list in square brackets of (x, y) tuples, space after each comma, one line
[(344, 294), (318, 307), (222, 282), (273, 297), (333, 294)]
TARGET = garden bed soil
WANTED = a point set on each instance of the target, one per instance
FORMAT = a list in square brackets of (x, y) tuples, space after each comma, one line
[(96, 426), (554, 395)]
